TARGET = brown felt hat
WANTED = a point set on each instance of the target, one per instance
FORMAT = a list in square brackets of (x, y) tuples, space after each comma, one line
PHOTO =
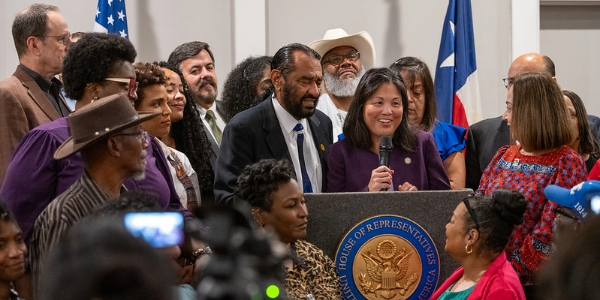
[(101, 118)]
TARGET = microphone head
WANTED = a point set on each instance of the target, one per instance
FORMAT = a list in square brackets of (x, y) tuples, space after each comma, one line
[(386, 142)]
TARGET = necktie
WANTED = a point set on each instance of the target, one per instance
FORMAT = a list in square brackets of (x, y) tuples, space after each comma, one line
[(300, 144), (212, 121)]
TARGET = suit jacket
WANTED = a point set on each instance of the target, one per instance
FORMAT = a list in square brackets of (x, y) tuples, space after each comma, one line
[(483, 141), (255, 134), (24, 107)]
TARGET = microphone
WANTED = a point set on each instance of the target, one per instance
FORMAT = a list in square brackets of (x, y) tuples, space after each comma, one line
[(385, 150)]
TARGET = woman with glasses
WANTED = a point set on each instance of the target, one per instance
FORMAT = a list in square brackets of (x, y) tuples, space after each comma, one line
[(422, 113), (476, 237), (153, 97), (583, 140), (540, 122)]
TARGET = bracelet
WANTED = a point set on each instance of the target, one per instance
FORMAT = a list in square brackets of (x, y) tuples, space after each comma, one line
[(199, 252)]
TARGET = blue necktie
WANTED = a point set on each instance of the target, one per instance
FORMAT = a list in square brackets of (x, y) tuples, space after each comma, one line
[(300, 143)]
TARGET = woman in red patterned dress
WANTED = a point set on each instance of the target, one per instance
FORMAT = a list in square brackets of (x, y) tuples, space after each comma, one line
[(539, 122)]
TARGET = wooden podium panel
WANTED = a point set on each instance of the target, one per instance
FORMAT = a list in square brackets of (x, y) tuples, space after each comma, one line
[(333, 215)]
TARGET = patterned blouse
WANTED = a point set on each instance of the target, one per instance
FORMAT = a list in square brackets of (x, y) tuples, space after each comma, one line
[(313, 273), (530, 242)]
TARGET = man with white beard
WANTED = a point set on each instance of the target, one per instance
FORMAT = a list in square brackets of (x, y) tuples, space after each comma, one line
[(345, 58)]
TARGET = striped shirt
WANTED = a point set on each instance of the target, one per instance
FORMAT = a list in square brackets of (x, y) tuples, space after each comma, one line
[(77, 202)]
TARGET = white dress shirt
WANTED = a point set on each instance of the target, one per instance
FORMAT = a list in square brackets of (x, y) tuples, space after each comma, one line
[(336, 115), (313, 164)]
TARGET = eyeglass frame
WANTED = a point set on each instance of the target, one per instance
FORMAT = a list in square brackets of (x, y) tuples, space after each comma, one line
[(465, 201), (343, 58), (142, 135), (508, 81), (562, 211), (131, 89), (65, 38)]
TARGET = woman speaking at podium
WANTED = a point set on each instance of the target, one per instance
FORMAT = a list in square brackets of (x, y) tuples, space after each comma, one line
[(380, 108)]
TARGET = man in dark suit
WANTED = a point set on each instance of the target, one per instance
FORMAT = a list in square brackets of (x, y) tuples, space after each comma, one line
[(486, 137), (286, 125), (31, 96)]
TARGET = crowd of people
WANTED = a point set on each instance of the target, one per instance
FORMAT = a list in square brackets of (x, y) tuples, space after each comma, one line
[(311, 118)]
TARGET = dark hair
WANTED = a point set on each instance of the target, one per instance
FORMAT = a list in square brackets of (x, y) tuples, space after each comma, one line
[(257, 182), (94, 57), (497, 217), (538, 102), (147, 74), (33, 21), (549, 65), (283, 60), (98, 258), (573, 271), (239, 91), (129, 202), (412, 69), (587, 142), (355, 129), (5, 214), (186, 51), (190, 137)]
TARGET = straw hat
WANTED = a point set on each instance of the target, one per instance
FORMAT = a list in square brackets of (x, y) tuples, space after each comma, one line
[(103, 117), (337, 37)]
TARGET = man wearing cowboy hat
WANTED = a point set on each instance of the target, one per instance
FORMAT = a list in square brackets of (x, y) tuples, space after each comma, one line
[(107, 132), (345, 58)]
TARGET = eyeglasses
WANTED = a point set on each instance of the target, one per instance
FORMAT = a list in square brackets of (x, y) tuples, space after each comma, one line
[(141, 136), (64, 39), (336, 60), (470, 210), (508, 82), (131, 89), (565, 212)]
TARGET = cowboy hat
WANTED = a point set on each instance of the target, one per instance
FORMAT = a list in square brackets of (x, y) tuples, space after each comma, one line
[(103, 117), (337, 37)]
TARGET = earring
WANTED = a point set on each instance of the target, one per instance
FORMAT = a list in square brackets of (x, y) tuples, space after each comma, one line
[(469, 249), (95, 98), (256, 218)]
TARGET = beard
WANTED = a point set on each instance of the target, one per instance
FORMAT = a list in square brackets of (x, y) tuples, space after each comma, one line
[(342, 87), (206, 97), (293, 102)]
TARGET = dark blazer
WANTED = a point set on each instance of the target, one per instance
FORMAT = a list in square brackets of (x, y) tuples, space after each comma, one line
[(483, 141), (24, 107), (255, 134)]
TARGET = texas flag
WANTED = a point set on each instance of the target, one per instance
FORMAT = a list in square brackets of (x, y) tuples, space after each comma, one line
[(456, 83), (111, 17)]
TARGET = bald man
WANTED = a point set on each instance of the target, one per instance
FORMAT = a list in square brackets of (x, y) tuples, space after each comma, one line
[(486, 137)]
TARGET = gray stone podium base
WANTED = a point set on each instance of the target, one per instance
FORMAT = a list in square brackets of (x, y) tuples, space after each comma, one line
[(331, 216)]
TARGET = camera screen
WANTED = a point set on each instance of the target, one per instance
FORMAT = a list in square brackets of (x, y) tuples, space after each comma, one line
[(159, 229)]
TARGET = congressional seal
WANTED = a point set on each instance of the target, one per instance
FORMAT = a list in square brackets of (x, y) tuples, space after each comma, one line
[(388, 257)]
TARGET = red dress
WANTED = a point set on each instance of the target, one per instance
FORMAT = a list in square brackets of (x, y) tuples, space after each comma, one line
[(530, 242)]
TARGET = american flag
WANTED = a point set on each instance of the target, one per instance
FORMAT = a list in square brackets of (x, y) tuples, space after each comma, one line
[(111, 17), (456, 83)]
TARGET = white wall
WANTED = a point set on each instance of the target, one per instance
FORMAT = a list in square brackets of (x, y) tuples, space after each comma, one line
[(398, 27), (570, 35)]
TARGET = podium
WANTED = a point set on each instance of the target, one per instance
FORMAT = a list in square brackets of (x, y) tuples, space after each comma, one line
[(332, 215)]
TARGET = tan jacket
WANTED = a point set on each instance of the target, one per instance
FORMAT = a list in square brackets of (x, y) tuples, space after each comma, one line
[(23, 106)]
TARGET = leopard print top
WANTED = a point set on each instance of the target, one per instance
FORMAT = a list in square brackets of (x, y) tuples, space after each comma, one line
[(313, 273)]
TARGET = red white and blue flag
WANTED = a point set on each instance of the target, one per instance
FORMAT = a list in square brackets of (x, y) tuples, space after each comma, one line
[(456, 83), (111, 17)]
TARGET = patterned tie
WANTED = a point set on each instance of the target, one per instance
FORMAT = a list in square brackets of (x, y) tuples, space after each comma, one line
[(212, 121), (300, 144)]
